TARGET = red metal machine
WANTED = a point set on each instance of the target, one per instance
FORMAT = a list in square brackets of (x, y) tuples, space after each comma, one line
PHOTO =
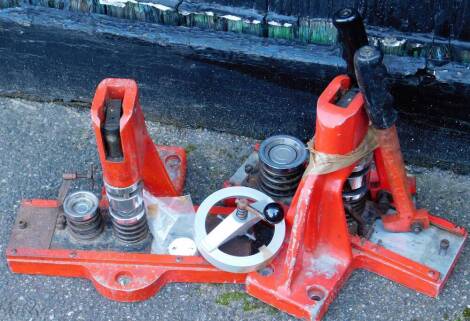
[(319, 252)]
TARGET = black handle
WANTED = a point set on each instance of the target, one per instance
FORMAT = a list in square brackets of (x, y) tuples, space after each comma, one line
[(351, 34), (273, 213), (372, 79)]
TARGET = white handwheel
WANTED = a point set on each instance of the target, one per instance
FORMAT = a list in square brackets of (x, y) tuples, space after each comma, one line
[(234, 225)]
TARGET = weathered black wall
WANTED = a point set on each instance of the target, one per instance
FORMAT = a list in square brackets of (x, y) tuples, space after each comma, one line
[(220, 81), (447, 18)]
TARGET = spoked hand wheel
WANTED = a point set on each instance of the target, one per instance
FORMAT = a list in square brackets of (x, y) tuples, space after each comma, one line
[(238, 223)]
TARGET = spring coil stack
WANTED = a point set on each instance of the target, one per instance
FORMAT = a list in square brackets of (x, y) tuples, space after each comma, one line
[(84, 219), (355, 189), (127, 211), (282, 163)]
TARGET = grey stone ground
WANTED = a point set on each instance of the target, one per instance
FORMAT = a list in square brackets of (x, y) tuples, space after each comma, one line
[(40, 141)]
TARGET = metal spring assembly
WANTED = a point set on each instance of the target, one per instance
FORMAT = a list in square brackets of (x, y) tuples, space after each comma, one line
[(355, 189), (282, 163), (127, 211), (84, 220)]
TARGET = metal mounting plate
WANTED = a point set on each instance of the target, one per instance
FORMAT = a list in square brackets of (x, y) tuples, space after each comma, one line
[(35, 224), (423, 247)]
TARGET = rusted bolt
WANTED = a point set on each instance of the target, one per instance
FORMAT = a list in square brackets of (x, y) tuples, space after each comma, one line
[(61, 222), (69, 176), (416, 227), (383, 201), (444, 246), (22, 224)]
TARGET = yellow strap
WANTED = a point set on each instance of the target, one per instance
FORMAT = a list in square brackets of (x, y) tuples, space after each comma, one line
[(322, 163)]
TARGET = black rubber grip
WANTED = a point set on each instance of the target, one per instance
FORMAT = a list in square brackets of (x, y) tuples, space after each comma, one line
[(351, 34), (111, 130), (273, 213), (373, 81)]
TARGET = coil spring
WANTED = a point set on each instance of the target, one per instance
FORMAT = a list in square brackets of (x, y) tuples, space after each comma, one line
[(279, 184), (281, 164), (133, 233), (355, 190), (128, 213), (86, 230), (83, 216)]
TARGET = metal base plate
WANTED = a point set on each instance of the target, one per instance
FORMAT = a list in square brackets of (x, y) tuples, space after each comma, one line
[(118, 271), (423, 247)]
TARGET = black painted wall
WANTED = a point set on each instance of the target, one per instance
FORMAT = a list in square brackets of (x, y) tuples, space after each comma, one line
[(220, 81), (446, 18)]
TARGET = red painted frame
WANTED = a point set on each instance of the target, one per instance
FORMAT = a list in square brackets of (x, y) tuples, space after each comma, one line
[(320, 254), (317, 258)]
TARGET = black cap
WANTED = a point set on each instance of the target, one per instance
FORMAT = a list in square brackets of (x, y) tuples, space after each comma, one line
[(351, 34), (273, 213), (373, 81)]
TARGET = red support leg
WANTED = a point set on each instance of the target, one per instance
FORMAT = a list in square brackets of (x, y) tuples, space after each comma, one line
[(407, 217), (140, 160)]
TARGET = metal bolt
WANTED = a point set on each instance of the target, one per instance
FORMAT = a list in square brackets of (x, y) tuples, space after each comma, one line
[(416, 227), (383, 201), (242, 214), (444, 246), (61, 222), (69, 176), (248, 168), (242, 211), (345, 13), (22, 224)]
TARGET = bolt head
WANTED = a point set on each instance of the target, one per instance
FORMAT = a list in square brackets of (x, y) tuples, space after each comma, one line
[(61, 222), (444, 244), (346, 16), (22, 224), (416, 227), (345, 13)]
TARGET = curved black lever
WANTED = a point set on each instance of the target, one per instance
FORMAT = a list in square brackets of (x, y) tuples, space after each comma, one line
[(351, 34), (372, 78)]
